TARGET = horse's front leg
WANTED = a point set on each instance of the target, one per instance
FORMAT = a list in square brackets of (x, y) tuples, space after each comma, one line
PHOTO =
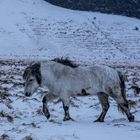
[(66, 103), (46, 99)]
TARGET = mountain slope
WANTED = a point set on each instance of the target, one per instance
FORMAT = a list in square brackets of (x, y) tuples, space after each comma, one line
[(36, 29)]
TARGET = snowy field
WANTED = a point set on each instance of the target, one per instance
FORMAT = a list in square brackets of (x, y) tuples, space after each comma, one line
[(33, 30)]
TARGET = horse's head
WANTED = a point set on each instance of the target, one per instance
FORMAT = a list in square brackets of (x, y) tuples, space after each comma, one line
[(32, 77)]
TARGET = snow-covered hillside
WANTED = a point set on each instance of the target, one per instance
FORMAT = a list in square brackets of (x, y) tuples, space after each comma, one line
[(34, 30)]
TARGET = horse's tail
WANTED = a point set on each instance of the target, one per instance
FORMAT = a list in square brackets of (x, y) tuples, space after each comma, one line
[(128, 103)]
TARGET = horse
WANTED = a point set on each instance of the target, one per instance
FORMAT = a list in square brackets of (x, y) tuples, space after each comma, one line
[(64, 79)]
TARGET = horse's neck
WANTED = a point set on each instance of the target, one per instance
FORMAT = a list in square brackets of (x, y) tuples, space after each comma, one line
[(50, 71)]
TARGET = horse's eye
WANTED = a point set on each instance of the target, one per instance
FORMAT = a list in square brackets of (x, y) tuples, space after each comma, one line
[(31, 80)]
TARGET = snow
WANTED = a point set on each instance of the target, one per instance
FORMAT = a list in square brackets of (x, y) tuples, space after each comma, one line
[(36, 30)]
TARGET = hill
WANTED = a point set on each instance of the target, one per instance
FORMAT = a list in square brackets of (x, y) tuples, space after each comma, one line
[(120, 7)]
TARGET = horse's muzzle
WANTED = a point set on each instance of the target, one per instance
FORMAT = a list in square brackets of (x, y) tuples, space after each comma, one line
[(27, 94)]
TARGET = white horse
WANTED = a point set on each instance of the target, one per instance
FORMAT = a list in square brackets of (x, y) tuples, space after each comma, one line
[(64, 80)]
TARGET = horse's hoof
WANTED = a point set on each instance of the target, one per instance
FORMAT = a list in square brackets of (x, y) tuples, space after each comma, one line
[(131, 119), (99, 120), (68, 118), (48, 116)]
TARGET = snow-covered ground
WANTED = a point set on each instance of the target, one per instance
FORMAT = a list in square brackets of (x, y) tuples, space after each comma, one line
[(22, 117), (35, 30)]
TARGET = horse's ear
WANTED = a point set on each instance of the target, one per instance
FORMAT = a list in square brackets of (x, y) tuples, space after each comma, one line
[(37, 72)]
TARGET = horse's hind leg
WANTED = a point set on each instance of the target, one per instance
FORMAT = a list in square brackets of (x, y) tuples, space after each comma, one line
[(124, 108), (103, 98), (45, 101)]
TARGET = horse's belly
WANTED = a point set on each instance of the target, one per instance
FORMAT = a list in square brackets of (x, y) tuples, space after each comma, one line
[(87, 91)]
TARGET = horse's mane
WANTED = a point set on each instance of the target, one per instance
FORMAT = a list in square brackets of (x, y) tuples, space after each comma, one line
[(65, 61)]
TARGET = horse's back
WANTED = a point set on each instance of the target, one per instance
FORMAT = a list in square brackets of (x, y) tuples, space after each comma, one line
[(103, 78)]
